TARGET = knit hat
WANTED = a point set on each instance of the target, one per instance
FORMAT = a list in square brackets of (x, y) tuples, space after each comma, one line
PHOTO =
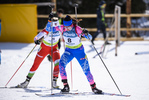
[(67, 21)]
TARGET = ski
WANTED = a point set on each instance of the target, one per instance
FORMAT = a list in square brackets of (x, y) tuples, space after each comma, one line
[(15, 87), (141, 53), (78, 93), (48, 94), (114, 94), (56, 88)]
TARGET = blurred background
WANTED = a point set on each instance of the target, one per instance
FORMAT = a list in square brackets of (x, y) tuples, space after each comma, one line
[(90, 7)]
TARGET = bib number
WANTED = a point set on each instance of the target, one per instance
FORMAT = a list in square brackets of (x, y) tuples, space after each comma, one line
[(69, 40)]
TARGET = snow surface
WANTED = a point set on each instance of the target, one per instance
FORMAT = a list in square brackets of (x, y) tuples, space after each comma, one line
[(130, 71)]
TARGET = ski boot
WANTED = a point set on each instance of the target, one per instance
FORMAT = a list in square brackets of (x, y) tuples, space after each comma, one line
[(24, 84), (66, 88), (55, 86), (95, 90)]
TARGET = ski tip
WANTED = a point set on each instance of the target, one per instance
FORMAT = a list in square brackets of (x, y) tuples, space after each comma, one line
[(114, 94), (123, 95), (17, 87), (3, 87), (128, 95)]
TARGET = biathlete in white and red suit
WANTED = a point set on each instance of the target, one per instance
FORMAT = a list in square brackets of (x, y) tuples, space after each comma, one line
[(74, 49), (44, 50)]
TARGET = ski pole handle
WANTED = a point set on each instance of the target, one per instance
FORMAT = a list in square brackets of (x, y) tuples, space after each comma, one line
[(76, 5), (52, 7)]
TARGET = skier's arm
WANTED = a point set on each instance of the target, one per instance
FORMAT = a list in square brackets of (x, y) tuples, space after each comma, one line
[(42, 34)]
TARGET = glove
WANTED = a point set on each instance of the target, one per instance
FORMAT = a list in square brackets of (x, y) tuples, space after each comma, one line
[(37, 42), (51, 16), (88, 37), (85, 32)]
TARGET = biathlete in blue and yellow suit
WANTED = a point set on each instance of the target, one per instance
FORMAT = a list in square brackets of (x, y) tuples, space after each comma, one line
[(74, 49)]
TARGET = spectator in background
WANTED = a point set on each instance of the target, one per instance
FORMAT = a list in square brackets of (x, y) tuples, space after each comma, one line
[(60, 13), (101, 27)]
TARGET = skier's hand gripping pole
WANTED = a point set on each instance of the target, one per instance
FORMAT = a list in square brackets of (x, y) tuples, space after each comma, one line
[(86, 34)]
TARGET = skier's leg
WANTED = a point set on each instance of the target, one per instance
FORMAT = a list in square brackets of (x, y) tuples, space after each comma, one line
[(94, 36), (38, 59), (64, 60), (103, 28), (83, 61), (42, 52), (56, 58)]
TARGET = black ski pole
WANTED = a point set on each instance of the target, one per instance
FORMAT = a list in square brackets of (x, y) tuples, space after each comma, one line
[(105, 65), (76, 5)]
